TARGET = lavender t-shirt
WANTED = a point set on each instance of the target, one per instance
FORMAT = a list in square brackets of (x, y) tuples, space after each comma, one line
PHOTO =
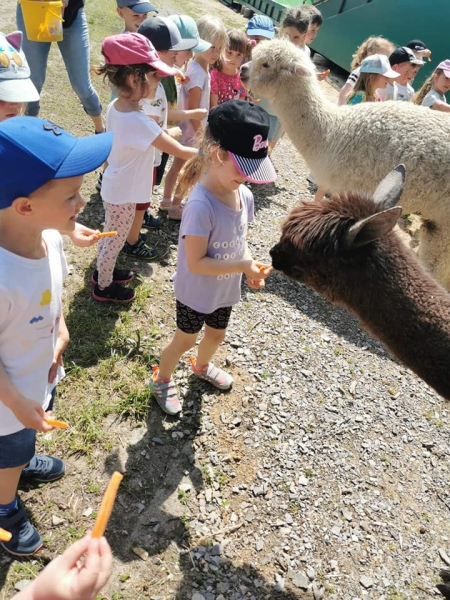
[(226, 230)]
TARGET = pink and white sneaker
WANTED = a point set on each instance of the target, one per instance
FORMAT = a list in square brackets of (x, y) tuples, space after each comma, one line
[(165, 393), (219, 378)]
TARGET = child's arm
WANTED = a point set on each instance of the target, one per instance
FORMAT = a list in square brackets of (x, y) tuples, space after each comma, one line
[(82, 236), (198, 114), (61, 345), (213, 100), (345, 92), (441, 106), (68, 577), (197, 261), (170, 146), (194, 98), (28, 412)]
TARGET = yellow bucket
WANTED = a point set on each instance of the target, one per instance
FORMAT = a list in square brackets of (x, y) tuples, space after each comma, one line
[(43, 20)]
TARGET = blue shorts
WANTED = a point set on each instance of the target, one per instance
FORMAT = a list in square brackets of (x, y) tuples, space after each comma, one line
[(17, 449), (275, 129)]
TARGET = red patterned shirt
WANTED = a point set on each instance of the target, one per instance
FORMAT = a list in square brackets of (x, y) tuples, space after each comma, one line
[(226, 87)]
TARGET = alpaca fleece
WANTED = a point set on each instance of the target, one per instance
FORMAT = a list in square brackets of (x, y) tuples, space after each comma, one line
[(373, 275), (354, 147)]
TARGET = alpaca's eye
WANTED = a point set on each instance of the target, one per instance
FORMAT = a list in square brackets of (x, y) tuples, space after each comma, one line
[(266, 65)]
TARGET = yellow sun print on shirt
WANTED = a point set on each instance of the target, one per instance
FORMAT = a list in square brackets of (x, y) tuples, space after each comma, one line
[(46, 298)]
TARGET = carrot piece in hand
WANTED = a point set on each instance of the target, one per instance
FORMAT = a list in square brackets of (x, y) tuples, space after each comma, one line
[(107, 505), (5, 536), (106, 234), (55, 423)]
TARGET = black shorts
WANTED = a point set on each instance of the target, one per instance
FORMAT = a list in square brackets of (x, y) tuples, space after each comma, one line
[(191, 321)]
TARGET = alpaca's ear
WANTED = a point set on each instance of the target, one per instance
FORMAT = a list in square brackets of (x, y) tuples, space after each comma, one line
[(298, 69), (373, 228), (390, 189)]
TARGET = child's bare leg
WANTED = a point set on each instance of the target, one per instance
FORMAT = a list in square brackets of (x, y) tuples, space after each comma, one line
[(209, 345), (171, 180), (133, 235), (9, 480), (180, 343)]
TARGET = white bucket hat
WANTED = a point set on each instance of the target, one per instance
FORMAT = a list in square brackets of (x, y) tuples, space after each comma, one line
[(15, 82), (378, 64)]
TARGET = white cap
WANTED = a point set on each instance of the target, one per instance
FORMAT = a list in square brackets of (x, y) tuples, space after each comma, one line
[(15, 82), (378, 64)]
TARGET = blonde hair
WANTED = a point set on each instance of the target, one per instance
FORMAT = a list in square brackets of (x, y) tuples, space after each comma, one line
[(427, 87), (365, 84), (212, 30), (372, 45), (195, 167)]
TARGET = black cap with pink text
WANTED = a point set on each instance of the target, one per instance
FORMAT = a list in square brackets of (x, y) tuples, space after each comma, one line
[(242, 129)]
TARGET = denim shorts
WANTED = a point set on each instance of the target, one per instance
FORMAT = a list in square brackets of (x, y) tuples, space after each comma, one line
[(17, 449)]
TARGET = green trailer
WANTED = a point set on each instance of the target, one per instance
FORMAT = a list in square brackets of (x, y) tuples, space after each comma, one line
[(349, 22)]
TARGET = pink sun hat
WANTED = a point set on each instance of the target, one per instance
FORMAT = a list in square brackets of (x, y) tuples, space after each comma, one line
[(133, 49)]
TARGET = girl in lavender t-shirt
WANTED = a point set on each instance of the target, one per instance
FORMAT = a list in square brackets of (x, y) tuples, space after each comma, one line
[(212, 252)]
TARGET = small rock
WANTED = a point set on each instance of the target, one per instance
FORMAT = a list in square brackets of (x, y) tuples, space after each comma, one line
[(300, 580), (143, 554), (21, 585), (88, 512), (259, 545), (56, 520), (197, 596), (366, 581)]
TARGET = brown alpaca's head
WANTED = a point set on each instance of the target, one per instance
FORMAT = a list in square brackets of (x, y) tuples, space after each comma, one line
[(274, 66), (323, 241)]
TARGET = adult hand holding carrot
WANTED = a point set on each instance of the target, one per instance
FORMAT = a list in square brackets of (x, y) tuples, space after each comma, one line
[(69, 577)]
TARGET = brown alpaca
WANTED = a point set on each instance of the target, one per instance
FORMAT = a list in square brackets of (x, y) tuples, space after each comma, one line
[(344, 248)]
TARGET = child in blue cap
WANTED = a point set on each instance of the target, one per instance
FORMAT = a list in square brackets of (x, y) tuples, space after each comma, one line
[(41, 171)]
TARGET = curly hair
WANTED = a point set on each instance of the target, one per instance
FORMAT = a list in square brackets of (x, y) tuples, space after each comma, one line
[(372, 45)]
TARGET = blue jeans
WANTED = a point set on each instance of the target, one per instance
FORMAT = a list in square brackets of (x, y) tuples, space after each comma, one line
[(74, 49)]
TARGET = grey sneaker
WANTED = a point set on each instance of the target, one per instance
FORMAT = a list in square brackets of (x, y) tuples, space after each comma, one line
[(219, 378), (165, 393)]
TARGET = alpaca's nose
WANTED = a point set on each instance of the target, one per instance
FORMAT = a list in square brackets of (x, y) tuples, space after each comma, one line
[(277, 257), (244, 72)]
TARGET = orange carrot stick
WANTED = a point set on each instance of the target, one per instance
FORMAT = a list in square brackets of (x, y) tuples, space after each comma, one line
[(106, 234), (263, 268), (327, 72), (107, 505), (5, 536), (55, 423)]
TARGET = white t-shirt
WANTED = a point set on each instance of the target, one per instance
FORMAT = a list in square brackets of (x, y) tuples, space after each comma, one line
[(129, 174), (157, 108), (198, 77), (30, 311), (353, 77), (432, 97), (399, 92)]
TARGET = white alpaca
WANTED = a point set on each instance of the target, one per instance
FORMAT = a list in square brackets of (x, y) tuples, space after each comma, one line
[(353, 147)]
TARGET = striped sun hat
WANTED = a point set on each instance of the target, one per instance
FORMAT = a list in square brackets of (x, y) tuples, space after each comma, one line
[(242, 129)]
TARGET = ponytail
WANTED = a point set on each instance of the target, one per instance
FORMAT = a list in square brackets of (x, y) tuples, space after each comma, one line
[(195, 167), (427, 87)]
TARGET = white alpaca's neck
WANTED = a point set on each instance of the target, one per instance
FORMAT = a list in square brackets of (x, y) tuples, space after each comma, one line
[(306, 114)]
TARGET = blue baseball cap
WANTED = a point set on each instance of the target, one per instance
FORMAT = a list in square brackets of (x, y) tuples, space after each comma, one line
[(34, 151), (138, 6), (261, 25)]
